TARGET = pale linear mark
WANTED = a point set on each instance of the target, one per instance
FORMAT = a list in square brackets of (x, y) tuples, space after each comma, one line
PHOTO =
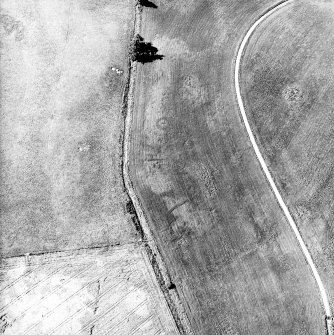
[(38, 283), (16, 280), (124, 318), (263, 164), (109, 309), (88, 305), (46, 296), (50, 312)]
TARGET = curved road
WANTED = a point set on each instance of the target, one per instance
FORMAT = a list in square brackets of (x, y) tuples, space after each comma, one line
[(262, 162)]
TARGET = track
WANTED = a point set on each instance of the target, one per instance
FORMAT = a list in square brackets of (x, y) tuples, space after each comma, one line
[(263, 164)]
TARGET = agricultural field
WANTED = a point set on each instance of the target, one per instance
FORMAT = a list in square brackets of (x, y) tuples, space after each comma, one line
[(75, 258), (63, 72), (288, 88), (72, 260), (231, 254), (102, 291)]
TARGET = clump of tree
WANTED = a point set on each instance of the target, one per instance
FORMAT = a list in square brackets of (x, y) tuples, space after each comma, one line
[(146, 3), (143, 52)]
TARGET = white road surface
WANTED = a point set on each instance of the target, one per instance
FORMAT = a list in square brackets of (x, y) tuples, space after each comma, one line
[(263, 163)]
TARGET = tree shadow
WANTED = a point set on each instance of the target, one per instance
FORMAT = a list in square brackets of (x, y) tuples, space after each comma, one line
[(147, 3), (149, 58), (143, 52)]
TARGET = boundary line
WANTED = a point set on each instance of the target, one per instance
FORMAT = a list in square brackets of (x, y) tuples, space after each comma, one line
[(143, 228)]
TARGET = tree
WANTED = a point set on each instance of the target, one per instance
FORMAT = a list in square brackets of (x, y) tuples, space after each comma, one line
[(147, 3), (143, 52)]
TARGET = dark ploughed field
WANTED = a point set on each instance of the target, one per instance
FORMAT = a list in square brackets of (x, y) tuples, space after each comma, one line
[(289, 92), (232, 256)]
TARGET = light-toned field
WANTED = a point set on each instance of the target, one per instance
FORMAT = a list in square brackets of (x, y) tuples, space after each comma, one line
[(61, 124), (63, 75), (97, 292), (232, 255), (288, 85)]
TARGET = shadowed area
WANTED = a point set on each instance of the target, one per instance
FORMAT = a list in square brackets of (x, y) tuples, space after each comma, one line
[(147, 3)]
